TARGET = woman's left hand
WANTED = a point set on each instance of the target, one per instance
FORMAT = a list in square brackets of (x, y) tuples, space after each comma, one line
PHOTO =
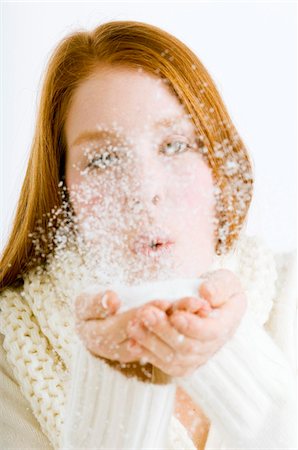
[(179, 349)]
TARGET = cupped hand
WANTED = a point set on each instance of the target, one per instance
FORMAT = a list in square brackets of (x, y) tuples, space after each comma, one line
[(178, 338), (102, 331)]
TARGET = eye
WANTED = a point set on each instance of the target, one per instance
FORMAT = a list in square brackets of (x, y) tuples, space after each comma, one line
[(176, 146), (103, 160)]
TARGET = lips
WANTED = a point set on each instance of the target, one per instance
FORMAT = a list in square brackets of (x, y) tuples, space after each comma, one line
[(148, 245)]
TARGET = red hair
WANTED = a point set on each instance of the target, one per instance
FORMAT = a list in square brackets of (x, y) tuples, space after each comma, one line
[(133, 44)]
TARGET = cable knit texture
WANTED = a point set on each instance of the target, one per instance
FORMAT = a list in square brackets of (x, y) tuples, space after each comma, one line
[(241, 400)]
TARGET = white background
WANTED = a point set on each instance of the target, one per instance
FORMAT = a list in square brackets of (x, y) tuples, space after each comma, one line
[(250, 50)]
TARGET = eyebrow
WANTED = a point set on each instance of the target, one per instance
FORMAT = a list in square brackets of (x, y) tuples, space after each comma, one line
[(95, 135)]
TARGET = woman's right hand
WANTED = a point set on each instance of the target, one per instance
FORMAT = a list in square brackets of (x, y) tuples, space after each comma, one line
[(103, 332)]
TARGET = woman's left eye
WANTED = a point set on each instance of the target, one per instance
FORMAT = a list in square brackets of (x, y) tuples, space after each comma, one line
[(176, 146)]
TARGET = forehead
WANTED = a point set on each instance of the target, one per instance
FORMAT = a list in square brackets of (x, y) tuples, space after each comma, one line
[(124, 99), (116, 134)]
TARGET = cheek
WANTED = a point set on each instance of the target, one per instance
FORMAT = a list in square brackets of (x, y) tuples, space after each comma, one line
[(84, 194), (196, 191)]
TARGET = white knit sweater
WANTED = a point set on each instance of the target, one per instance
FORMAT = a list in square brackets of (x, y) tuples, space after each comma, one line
[(247, 389)]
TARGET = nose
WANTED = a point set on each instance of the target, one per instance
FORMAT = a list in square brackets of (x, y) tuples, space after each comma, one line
[(155, 200), (148, 186)]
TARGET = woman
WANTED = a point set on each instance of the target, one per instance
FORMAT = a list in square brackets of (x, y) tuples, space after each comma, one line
[(137, 176)]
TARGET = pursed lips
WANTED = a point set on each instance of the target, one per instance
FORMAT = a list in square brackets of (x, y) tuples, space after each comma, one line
[(147, 245)]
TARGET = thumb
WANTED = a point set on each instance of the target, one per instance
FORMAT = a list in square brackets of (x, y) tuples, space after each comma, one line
[(96, 306), (218, 286)]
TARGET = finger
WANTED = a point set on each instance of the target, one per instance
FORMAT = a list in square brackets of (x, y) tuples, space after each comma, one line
[(171, 369), (164, 305), (98, 306), (129, 351), (218, 286), (97, 339), (195, 327), (191, 304), (219, 325), (149, 357), (125, 352), (158, 323), (136, 345), (109, 331), (143, 336)]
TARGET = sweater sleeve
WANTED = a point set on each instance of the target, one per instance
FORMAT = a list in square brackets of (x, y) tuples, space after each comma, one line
[(244, 388), (19, 428), (106, 409), (282, 321)]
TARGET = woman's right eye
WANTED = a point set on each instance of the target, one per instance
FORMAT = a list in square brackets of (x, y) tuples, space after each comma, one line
[(103, 161)]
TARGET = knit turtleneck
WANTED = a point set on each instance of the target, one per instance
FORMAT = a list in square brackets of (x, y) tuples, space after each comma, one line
[(72, 393)]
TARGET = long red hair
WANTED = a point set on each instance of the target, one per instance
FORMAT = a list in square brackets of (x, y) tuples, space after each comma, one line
[(133, 44)]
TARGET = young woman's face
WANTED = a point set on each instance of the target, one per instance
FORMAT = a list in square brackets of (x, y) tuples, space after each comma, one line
[(142, 194)]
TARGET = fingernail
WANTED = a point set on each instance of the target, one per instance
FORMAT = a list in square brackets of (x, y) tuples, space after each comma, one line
[(104, 299)]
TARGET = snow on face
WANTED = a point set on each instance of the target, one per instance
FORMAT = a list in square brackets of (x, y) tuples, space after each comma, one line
[(133, 170)]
